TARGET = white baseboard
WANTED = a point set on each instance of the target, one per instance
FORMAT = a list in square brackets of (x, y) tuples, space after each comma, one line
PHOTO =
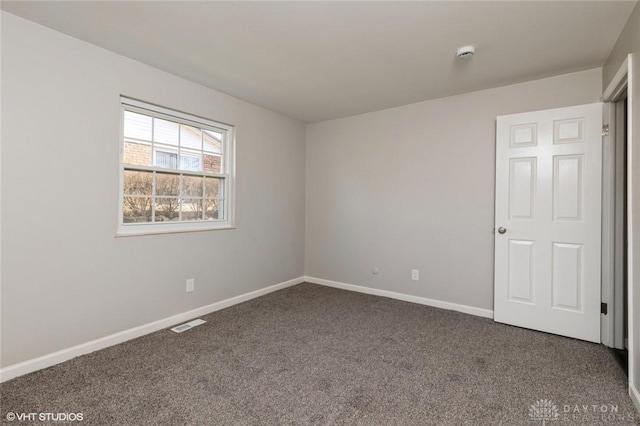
[(486, 313), (635, 396), (54, 358)]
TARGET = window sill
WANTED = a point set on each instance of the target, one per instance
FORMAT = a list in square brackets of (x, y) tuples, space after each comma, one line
[(154, 229)]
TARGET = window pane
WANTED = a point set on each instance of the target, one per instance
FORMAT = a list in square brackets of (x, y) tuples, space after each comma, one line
[(138, 154), (167, 160), (213, 209), (212, 188), (136, 209), (167, 209), (212, 163), (137, 126), (165, 131), (192, 209), (212, 141), (138, 183), (190, 162), (190, 137), (192, 186), (167, 184)]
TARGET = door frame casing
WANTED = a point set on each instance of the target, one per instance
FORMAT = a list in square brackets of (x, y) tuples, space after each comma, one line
[(621, 82), (611, 95)]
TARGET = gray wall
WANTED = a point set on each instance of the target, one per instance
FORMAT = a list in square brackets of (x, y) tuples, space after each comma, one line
[(413, 187), (65, 279), (629, 42)]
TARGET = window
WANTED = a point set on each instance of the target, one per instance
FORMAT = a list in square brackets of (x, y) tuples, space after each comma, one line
[(176, 171)]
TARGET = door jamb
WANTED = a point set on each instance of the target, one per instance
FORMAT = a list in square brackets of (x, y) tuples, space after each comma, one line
[(613, 92), (608, 223)]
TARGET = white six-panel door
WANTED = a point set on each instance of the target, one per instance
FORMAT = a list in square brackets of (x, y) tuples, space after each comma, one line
[(548, 221)]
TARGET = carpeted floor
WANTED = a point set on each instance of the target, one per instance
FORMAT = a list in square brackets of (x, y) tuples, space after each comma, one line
[(316, 355)]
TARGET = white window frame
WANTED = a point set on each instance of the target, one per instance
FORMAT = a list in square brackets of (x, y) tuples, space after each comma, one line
[(228, 166)]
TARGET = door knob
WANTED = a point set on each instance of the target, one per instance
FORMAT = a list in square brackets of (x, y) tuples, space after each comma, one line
[(502, 230)]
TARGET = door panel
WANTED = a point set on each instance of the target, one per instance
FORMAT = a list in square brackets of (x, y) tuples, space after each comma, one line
[(522, 188), (523, 135), (521, 271), (568, 131), (567, 187), (548, 198), (567, 276)]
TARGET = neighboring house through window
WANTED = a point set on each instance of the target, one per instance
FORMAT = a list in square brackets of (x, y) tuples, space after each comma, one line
[(176, 171)]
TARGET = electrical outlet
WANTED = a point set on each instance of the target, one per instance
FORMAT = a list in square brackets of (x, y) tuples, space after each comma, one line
[(191, 285), (415, 274)]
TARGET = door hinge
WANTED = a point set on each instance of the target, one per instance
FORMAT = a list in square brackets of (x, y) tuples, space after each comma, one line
[(603, 308), (605, 130)]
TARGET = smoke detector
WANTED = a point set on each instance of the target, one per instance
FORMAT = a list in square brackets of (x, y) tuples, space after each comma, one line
[(466, 52)]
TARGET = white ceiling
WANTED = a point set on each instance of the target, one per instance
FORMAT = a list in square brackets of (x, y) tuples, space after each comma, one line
[(320, 60)]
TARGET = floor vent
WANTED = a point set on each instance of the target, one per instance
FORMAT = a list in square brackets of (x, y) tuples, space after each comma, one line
[(187, 326)]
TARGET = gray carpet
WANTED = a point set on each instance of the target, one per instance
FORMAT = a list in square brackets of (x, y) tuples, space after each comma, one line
[(315, 355)]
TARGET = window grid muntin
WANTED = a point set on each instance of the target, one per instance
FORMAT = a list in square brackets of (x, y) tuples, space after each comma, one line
[(164, 146), (181, 197), (164, 149)]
